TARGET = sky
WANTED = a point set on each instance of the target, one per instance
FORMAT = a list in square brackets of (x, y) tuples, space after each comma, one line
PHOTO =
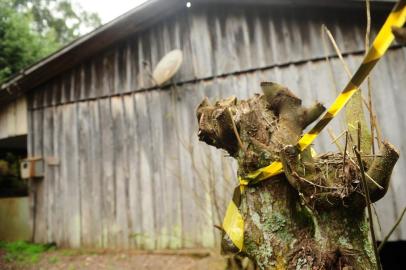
[(108, 10)]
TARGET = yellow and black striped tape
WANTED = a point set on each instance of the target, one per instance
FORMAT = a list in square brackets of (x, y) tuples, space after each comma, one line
[(233, 223)]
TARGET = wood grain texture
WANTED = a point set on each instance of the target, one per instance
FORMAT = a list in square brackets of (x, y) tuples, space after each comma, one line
[(215, 41), (13, 119), (147, 235), (85, 171), (38, 187), (49, 172), (121, 171), (130, 171)]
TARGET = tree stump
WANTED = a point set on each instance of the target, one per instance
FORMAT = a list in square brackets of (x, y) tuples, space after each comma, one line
[(313, 215)]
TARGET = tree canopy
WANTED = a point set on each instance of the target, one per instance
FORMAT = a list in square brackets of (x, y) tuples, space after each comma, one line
[(32, 29)]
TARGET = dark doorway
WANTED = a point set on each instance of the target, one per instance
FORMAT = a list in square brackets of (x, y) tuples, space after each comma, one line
[(12, 151)]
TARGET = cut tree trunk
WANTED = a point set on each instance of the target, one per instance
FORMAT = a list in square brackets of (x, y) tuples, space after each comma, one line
[(313, 215)]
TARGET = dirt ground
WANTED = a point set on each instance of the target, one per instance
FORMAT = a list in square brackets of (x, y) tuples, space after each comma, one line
[(124, 260)]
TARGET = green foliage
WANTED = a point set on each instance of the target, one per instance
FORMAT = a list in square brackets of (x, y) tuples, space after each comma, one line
[(19, 46), (23, 252), (32, 29), (61, 17)]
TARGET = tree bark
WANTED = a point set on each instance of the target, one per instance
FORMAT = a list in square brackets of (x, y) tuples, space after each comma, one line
[(400, 34), (313, 215)]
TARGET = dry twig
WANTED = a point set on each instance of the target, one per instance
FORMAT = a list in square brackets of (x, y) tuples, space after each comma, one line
[(235, 130), (368, 202), (392, 230)]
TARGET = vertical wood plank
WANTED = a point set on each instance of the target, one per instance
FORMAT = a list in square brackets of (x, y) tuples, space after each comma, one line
[(148, 233), (39, 189), (59, 190), (201, 47), (161, 214), (21, 116), (108, 183), (30, 153), (85, 170), (171, 177), (134, 192), (181, 39), (121, 170), (189, 190), (72, 184), (49, 179), (107, 70), (95, 176)]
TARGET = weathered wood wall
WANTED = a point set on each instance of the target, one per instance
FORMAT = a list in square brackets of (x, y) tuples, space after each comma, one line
[(13, 119), (124, 167), (125, 174)]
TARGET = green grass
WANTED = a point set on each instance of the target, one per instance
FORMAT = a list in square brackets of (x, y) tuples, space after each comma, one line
[(23, 252)]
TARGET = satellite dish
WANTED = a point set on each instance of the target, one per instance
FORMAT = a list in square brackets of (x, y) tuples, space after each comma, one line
[(167, 67)]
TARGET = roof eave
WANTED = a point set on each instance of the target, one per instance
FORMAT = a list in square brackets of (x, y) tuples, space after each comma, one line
[(133, 21)]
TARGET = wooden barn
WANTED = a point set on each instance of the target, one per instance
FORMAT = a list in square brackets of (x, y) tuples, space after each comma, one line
[(122, 163)]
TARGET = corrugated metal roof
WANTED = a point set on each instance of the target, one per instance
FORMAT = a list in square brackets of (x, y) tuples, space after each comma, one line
[(133, 21)]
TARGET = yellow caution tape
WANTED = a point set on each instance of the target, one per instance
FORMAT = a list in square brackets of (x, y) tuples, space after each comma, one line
[(233, 225), (233, 222)]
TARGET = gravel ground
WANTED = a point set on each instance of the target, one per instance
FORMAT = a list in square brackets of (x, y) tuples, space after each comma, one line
[(92, 260)]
